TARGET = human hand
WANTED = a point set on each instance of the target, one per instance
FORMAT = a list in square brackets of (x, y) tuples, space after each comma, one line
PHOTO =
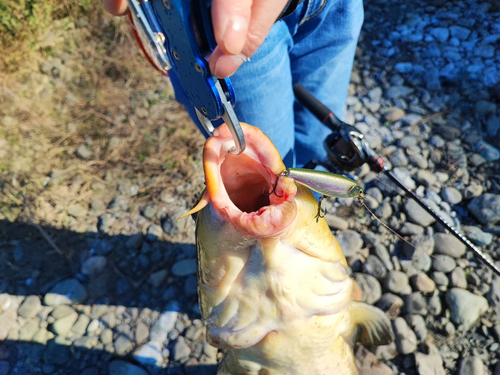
[(116, 7), (240, 27)]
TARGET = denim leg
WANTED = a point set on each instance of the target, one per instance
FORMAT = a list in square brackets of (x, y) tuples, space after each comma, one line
[(322, 59), (264, 93)]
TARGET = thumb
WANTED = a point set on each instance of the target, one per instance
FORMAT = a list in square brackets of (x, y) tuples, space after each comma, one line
[(230, 20), (240, 27)]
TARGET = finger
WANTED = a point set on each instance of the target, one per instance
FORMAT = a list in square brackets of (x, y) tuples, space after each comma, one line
[(116, 7), (231, 19), (263, 16)]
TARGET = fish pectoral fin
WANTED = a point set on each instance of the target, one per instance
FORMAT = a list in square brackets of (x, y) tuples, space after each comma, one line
[(205, 199), (371, 326)]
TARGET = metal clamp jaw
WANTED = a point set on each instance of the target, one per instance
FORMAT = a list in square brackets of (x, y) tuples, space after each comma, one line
[(179, 33)]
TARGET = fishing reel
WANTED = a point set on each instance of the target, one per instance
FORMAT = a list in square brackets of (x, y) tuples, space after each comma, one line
[(345, 146)]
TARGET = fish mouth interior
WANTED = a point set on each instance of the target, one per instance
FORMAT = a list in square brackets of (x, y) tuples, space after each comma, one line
[(246, 181)]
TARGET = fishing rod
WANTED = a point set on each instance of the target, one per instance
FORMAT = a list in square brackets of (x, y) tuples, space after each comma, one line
[(347, 149)]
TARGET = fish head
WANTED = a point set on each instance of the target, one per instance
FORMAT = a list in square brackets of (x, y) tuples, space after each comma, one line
[(248, 189)]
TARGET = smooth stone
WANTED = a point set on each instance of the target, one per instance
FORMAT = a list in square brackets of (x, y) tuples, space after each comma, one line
[(66, 292), (80, 326), (417, 214), (395, 92), (350, 242), (394, 114), (181, 349), (125, 368), (424, 283), (430, 364), (458, 279), (106, 336), (426, 177), (443, 263), (149, 354), (94, 265), (375, 267), (141, 332), (465, 307), (29, 329), (398, 158), (417, 323), (451, 195), (440, 278), (184, 267), (409, 229), (434, 305), (406, 340), (415, 303), (30, 307), (486, 208), (123, 345), (370, 287), (165, 323), (477, 236), (62, 326), (397, 282), (391, 304), (448, 244), (471, 366)]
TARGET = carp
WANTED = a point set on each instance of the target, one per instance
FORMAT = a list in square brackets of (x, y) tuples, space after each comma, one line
[(273, 285)]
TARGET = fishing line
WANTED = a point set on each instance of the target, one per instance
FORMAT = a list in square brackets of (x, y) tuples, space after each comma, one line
[(362, 201)]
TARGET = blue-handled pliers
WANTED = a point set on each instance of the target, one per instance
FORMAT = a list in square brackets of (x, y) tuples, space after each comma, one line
[(178, 34)]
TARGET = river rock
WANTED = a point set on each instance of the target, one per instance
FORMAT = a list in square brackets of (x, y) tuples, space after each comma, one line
[(486, 208), (417, 214), (66, 292), (30, 307), (350, 242), (458, 279), (430, 364), (451, 195), (448, 244), (443, 263), (149, 354), (465, 307), (397, 282), (471, 366), (370, 287), (406, 340)]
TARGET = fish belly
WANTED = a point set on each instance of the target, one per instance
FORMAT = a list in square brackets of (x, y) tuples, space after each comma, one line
[(312, 347)]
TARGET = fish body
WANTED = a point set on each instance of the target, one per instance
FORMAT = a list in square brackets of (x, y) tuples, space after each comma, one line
[(273, 283)]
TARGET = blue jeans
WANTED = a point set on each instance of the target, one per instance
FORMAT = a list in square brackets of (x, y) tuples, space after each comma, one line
[(313, 46)]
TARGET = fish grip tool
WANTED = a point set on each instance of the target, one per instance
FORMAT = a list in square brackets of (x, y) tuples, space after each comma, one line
[(179, 34), (347, 149)]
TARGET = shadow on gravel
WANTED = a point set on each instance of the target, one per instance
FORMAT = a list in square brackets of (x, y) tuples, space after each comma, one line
[(139, 280), (54, 358)]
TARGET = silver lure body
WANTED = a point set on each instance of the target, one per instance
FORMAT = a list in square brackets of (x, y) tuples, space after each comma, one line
[(328, 184)]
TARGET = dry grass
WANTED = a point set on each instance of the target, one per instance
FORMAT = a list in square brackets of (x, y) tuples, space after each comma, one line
[(83, 82)]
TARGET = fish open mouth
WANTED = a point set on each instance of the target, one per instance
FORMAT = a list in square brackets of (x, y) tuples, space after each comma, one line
[(248, 187)]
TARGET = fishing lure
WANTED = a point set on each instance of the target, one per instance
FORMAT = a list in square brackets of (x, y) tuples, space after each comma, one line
[(332, 185), (325, 183)]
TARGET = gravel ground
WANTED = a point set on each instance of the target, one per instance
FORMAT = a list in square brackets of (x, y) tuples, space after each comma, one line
[(114, 292)]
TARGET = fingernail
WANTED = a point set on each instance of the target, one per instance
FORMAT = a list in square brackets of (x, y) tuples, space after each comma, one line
[(227, 65), (235, 35)]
